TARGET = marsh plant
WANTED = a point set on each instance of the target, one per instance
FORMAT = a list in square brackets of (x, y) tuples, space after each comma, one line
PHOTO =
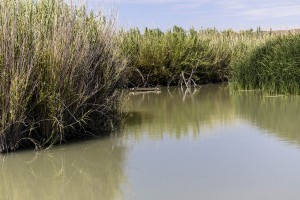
[(273, 67), (205, 55), (60, 67)]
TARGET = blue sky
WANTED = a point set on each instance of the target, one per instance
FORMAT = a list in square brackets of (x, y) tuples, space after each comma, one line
[(222, 14)]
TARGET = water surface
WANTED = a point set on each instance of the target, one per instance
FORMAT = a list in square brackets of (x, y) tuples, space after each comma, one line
[(211, 143)]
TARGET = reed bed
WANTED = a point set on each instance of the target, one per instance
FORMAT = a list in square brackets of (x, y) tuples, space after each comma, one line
[(273, 67), (203, 56), (60, 69)]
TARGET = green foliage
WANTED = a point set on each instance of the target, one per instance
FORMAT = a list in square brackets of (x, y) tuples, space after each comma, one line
[(273, 67), (60, 67), (162, 57)]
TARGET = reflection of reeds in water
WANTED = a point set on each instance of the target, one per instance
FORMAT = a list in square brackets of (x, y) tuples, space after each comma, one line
[(179, 112), (279, 116), (92, 170)]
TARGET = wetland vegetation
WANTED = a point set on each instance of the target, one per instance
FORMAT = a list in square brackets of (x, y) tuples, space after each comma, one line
[(62, 68), (64, 71), (64, 75), (177, 56), (273, 67)]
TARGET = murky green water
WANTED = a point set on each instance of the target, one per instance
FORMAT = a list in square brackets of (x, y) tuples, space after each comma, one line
[(208, 144)]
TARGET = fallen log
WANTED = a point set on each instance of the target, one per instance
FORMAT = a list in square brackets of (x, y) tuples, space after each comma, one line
[(137, 89)]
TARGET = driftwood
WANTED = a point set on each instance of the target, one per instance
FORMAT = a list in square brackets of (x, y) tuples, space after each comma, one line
[(137, 89), (143, 91)]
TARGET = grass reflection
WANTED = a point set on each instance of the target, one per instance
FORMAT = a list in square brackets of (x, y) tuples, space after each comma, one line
[(279, 116), (178, 113), (88, 170)]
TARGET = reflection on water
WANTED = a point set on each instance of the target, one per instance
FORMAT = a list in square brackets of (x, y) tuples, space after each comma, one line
[(88, 170), (180, 112), (279, 116), (211, 143)]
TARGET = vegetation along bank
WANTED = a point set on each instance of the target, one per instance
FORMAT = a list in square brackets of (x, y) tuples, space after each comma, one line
[(60, 68), (273, 67), (187, 57)]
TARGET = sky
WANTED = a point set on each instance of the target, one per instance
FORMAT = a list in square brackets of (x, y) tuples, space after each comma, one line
[(220, 14)]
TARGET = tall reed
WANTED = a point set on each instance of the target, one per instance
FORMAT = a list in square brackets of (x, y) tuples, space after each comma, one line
[(60, 67), (273, 67)]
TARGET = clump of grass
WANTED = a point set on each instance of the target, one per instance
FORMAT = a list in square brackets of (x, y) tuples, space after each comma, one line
[(60, 67), (273, 67)]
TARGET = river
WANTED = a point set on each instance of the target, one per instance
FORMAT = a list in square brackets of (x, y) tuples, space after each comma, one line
[(211, 143)]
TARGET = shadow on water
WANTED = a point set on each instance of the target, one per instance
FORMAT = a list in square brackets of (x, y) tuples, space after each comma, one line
[(87, 170), (179, 113)]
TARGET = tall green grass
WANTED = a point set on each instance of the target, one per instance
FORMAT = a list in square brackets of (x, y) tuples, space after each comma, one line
[(163, 58), (273, 67), (60, 67)]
